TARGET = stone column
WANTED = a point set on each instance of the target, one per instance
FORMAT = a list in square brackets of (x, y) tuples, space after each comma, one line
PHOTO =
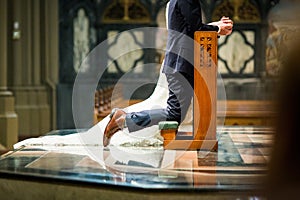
[(8, 117), (51, 62), (33, 63)]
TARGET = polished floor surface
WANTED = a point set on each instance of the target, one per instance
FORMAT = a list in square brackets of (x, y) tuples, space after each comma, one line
[(239, 163)]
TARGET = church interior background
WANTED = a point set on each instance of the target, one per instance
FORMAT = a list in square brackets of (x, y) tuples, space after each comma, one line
[(44, 42)]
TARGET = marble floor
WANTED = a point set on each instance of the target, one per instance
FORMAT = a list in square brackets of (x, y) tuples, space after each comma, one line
[(238, 166)]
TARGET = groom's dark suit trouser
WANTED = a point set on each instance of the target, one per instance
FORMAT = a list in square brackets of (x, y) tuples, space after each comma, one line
[(180, 87)]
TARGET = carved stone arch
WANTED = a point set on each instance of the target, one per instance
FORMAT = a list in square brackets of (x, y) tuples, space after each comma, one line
[(241, 11), (249, 12), (222, 8), (126, 11)]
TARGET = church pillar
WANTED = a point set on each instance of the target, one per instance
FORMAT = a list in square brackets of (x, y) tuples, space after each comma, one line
[(31, 56), (50, 45), (8, 117)]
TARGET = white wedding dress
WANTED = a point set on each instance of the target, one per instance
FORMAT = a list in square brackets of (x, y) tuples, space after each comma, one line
[(90, 142)]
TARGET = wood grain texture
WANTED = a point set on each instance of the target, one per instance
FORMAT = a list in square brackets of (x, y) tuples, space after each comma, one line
[(205, 92), (211, 145), (205, 85)]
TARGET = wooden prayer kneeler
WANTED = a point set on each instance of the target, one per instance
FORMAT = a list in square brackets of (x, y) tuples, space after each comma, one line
[(205, 96)]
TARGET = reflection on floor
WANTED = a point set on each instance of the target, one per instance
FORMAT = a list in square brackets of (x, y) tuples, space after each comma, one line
[(238, 166)]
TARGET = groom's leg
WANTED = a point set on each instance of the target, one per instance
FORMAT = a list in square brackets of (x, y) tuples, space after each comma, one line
[(180, 95)]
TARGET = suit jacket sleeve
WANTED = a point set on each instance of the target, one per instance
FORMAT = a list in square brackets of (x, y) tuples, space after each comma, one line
[(191, 10)]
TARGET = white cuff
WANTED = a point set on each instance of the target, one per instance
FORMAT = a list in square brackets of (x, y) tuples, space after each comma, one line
[(219, 29)]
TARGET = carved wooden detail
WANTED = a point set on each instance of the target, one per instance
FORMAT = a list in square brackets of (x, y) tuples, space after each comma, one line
[(205, 94)]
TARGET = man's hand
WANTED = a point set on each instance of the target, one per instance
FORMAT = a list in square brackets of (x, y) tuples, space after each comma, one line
[(225, 26)]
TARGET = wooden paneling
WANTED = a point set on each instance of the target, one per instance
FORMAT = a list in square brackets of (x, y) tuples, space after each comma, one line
[(205, 85), (205, 96), (244, 112), (104, 102)]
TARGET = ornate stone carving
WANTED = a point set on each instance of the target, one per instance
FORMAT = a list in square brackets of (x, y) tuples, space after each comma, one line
[(81, 39), (124, 11), (240, 11)]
